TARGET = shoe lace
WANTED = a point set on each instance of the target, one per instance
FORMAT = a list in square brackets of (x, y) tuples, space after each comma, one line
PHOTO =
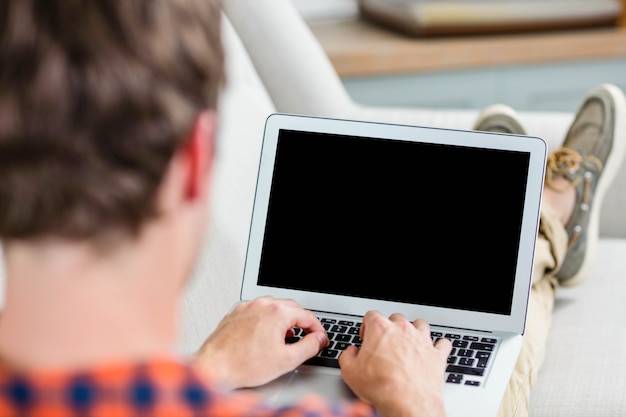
[(566, 162)]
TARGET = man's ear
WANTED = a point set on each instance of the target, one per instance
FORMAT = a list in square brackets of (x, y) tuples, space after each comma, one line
[(199, 150)]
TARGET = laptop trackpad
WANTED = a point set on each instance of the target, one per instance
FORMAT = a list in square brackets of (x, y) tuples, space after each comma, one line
[(294, 386)]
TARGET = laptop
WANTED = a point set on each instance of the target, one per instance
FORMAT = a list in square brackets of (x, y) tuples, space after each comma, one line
[(440, 224)]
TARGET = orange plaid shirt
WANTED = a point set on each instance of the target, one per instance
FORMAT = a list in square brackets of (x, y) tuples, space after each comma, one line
[(159, 388)]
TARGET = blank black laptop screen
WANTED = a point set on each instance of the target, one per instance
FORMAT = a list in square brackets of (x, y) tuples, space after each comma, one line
[(396, 220)]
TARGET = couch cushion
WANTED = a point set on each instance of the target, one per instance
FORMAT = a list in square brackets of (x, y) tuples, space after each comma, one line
[(583, 371)]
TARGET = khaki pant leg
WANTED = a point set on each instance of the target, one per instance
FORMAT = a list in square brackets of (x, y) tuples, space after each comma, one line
[(550, 251)]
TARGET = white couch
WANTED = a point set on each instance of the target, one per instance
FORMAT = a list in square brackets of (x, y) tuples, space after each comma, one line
[(275, 64)]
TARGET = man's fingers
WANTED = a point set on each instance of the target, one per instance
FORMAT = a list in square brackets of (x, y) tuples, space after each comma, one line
[(299, 317), (400, 320), (397, 317), (444, 346), (347, 356), (309, 346), (423, 327), (421, 324), (371, 314), (308, 321), (288, 311)]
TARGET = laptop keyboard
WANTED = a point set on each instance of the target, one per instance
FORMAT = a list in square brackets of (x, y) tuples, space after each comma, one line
[(467, 364)]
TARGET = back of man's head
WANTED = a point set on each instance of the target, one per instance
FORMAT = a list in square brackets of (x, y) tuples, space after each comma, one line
[(95, 98)]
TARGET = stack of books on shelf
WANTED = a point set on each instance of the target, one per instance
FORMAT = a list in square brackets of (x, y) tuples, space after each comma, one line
[(450, 17)]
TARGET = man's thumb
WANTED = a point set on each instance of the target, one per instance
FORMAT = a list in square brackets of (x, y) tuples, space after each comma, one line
[(312, 343), (347, 356)]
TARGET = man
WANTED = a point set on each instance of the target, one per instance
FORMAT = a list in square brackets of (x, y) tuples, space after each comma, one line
[(107, 139), (107, 128)]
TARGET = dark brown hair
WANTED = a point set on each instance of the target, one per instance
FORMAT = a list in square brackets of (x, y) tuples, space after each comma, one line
[(95, 98)]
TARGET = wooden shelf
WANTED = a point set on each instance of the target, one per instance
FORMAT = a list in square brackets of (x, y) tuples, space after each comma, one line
[(359, 49)]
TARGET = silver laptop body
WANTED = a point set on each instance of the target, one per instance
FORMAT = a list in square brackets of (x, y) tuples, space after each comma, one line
[(351, 216)]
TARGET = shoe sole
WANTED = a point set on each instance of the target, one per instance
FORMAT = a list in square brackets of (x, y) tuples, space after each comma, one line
[(610, 170)]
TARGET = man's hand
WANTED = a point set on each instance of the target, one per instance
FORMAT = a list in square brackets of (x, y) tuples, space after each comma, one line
[(248, 347), (397, 369)]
